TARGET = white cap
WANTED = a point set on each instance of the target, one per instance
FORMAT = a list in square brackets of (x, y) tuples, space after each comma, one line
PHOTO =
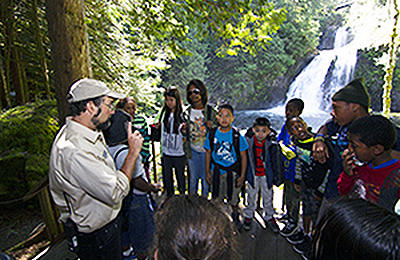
[(86, 88)]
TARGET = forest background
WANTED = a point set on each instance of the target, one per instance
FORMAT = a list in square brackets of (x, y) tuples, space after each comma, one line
[(247, 53)]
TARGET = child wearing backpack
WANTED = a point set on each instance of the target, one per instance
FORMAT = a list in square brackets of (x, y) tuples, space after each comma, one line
[(138, 227), (226, 160), (265, 168)]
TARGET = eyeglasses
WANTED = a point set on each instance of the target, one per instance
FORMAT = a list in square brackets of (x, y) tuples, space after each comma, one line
[(194, 91), (110, 106)]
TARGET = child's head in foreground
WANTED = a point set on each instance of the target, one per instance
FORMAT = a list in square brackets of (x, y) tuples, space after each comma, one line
[(261, 128), (225, 115), (357, 229), (297, 128), (294, 107), (192, 227), (370, 136)]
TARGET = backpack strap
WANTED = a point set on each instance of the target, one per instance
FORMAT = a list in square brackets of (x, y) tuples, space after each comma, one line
[(118, 152), (211, 137), (208, 115), (236, 142)]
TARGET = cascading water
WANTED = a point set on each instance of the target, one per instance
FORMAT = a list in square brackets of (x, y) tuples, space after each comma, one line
[(319, 80), (314, 85)]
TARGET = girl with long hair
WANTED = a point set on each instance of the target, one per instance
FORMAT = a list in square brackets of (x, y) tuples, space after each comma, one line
[(173, 156)]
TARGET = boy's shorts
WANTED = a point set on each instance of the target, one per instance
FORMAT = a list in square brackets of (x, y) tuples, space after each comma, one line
[(223, 193)]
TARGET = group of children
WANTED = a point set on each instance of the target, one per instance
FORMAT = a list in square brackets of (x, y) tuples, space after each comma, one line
[(355, 144), (351, 156)]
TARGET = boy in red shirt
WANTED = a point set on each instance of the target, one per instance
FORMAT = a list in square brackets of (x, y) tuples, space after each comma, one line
[(368, 163)]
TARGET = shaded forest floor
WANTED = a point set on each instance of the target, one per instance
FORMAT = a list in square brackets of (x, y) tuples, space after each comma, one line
[(22, 232)]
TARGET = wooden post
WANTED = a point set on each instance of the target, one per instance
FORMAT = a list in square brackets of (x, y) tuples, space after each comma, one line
[(50, 215)]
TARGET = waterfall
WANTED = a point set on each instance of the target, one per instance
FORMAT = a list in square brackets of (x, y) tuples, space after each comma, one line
[(323, 76), (329, 71)]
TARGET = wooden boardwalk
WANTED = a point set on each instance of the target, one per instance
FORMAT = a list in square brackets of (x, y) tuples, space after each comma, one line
[(257, 244), (260, 243)]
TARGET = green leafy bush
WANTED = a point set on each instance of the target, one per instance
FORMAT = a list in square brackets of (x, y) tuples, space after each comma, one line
[(26, 135)]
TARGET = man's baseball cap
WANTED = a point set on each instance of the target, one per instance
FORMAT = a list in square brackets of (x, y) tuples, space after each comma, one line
[(86, 88)]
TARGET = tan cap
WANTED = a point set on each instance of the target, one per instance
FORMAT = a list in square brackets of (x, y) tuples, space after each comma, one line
[(86, 88)]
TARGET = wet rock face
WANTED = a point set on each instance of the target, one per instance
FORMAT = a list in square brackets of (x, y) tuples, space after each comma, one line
[(327, 39)]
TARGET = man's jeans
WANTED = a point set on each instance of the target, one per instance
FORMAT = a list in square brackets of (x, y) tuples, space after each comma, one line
[(102, 244)]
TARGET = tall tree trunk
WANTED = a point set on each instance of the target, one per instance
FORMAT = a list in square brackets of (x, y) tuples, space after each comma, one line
[(6, 55), (4, 93), (69, 47), (40, 47), (4, 96), (393, 45), (14, 69)]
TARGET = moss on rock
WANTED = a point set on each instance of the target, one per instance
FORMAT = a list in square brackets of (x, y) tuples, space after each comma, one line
[(26, 135)]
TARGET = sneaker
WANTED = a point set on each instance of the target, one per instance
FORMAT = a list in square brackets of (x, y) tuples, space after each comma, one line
[(289, 229), (303, 247), (247, 224), (297, 237), (272, 225), (236, 218), (129, 254), (133, 257), (282, 218)]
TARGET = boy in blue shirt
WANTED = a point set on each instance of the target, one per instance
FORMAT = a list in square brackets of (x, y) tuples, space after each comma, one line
[(226, 160)]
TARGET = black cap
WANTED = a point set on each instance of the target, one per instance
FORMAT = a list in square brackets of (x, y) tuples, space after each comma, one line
[(354, 92)]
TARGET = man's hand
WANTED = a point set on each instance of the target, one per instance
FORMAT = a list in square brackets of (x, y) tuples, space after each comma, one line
[(348, 162), (320, 151), (135, 139)]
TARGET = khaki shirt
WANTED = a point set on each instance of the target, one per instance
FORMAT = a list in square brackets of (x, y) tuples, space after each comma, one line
[(83, 172)]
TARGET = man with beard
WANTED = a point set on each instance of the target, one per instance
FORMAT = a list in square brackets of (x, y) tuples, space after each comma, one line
[(84, 183)]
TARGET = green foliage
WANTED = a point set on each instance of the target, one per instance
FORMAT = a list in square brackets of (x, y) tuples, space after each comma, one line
[(29, 34), (26, 135), (131, 40), (373, 71), (246, 80)]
